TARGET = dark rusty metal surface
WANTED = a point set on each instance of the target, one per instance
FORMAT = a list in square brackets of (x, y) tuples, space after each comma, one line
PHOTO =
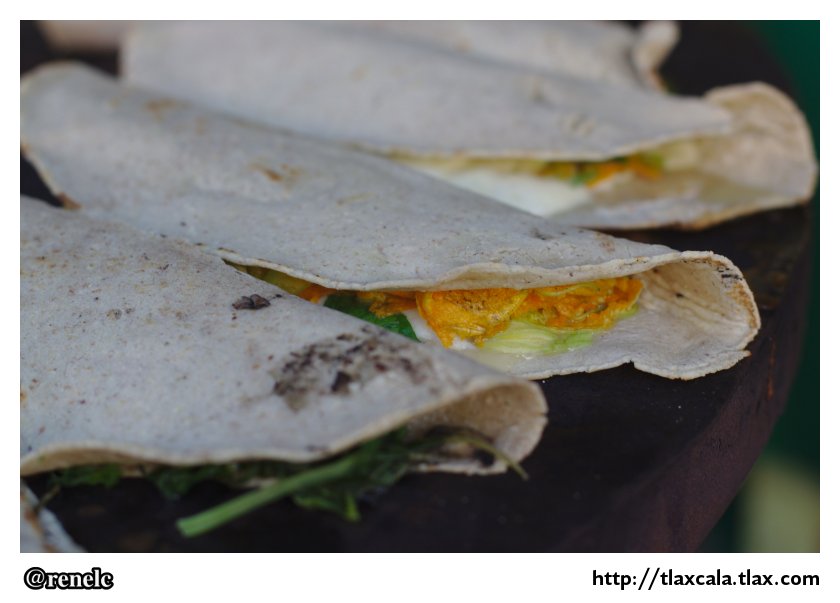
[(628, 462)]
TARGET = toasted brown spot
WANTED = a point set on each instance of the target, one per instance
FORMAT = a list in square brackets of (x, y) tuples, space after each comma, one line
[(158, 107), (538, 234), (269, 173), (606, 242), (287, 174), (251, 302), (341, 382), (336, 366), (67, 202), (30, 516)]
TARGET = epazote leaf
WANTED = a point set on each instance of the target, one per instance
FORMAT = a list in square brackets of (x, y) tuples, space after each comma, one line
[(352, 305), (335, 485), (88, 475)]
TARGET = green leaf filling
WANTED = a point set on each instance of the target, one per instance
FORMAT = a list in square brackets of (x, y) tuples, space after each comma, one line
[(352, 305), (335, 485), (87, 475), (584, 175), (174, 482)]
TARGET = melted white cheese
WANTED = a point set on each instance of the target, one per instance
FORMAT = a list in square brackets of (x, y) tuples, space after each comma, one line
[(425, 333), (542, 196)]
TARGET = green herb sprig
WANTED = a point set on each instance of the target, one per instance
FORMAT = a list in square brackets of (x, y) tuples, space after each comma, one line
[(336, 485), (352, 305)]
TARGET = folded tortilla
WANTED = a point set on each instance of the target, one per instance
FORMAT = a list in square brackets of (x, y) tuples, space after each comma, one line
[(355, 222), (586, 151), (597, 50), (131, 352), (40, 530), (588, 49)]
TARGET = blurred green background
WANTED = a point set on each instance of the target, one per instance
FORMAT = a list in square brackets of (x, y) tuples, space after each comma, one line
[(777, 510)]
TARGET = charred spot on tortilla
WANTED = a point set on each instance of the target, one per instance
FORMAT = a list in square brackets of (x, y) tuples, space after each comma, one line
[(159, 107), (288, 175), (259, 302), (537, 234), (606, 242), (272, 175), (341, 365), (67, 202), (251, 302), (341, 382)]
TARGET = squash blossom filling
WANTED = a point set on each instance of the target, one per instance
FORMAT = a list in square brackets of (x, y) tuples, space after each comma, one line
[(543, 320), (546, 187), (647, 166)]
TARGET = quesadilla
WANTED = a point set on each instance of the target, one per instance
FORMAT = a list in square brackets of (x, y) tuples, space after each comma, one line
[(589, 49), (584, 151), (597, 50), (538, 298), (139, 350)]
